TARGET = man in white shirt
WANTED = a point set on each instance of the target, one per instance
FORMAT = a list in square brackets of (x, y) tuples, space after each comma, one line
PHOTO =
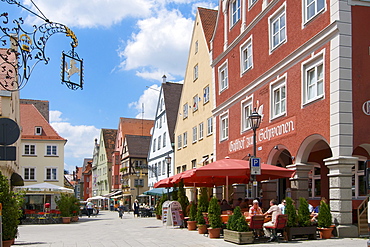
[(274, 210)]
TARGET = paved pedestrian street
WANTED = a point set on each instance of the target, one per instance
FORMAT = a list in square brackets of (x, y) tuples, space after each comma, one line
[(108, 230)]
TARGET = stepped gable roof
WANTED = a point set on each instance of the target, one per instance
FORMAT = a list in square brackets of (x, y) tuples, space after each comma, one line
[(208, 18), (31, 118), (138, 146), (109, 136), (172, 95)]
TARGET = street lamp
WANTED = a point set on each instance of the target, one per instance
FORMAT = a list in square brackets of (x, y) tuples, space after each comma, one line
[(255, 121), (168, 161)]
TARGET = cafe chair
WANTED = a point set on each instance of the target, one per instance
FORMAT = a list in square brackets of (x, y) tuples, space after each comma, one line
[(256, 224), (280, 224)]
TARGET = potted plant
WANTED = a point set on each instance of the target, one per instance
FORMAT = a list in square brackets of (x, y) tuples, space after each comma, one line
[(192, 223), (237, 230), (299, 224), (158, 208), (75, 208), (65, 205), (11, 211), (214, 217), (182, 198), (201, 209), (324, 220)]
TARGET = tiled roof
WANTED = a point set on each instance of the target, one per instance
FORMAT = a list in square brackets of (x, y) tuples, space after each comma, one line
[(172, 95), (208, 18), (31, 118), (109, 136), (138, 146)]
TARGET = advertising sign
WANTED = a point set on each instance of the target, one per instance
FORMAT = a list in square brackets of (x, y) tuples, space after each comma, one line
[(176, 213)]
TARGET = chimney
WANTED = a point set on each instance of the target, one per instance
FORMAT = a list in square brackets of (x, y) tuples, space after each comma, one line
[(164, 78)]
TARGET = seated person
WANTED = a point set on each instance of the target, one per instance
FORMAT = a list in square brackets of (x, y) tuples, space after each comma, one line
[(274, 210), (255, 209), (244, 204), (225, 206)]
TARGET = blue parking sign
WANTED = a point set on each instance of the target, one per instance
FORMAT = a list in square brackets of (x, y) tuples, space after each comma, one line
[(255, 166), (256, 162)]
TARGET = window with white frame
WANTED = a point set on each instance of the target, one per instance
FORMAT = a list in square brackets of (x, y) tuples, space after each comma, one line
[(185, 137), (194, 163), (251, 2), (246, 112), (196, 46), (179, 142), (206, 94), (51, 150), (313, 8), (201, 130), (224, 126), (235, 12), (313, 81), (159, 142), (159, 168), (195, 72), (358, 179), (164, 139), (51, 173), (246, 56), (160, 122), (195, 102), (195, 134), (222, 77), (209, 126), (154, 144), (38, 130), (185, 110), (277, 28), (163, 167), (278, 98), (29, 149), (29, 173)]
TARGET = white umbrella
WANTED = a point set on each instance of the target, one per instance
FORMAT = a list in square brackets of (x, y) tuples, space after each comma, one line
[(44, 187)]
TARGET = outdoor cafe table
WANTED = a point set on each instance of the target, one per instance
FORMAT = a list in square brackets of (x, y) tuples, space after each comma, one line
[(225, 218)]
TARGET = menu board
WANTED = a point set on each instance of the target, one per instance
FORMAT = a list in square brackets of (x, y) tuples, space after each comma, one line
[(165, 213), (176, 213)]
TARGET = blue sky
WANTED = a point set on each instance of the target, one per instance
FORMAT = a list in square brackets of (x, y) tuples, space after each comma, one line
[(126, 45)]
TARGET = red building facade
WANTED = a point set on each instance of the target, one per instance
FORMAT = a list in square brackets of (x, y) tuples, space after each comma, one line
[(302, 67)]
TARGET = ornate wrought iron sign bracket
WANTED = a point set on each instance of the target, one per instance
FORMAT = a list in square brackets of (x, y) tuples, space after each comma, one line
[(23, 50)]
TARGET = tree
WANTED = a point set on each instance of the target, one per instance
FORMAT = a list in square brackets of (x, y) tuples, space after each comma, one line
[(214, 213), (193, 212), (324, 219), (183, 199), (202, 206), (291, 212), (303, 213), (11, 203)]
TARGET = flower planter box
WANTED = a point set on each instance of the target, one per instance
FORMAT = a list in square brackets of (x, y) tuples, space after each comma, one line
[(310, 231), (238, 237)]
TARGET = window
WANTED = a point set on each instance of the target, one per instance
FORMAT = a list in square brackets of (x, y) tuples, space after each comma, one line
[(154, 144), (222, 76), (51, 173), (235, 12), (29, 173), (179, 142), (29, 149), (185, 139), (195, 72), (201, 130), (195, 134), (224, 125), (185, 110), (160, 121), (277, 28), (205, 94), (209, 126), (195, 102), (163, 167), (313, 81), (194, 164), (161, 105), (358, 179), (196, 46), (246, 56), (51, 150), (159, 168), (159, 142), (251, 2), (278, 99), (38, 130), (164, 139), (313, 8), (246, 112), (139, 182)]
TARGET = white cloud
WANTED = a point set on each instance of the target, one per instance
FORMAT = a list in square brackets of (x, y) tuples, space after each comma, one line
[(80, 138), (85, 13), (149, 99), (161, 45)]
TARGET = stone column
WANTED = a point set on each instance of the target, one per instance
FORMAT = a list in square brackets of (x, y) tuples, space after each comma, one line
[(299, 183), (340, 193)]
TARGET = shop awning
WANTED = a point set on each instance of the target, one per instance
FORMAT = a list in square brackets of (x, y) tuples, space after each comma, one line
[(157, 191), (114, 193)]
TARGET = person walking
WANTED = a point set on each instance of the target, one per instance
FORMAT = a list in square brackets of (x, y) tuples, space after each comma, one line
[(90, 208), (120, 211), (135, 207)]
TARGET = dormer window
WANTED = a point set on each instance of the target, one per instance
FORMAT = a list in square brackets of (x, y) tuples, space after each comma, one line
[(38, 130)]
